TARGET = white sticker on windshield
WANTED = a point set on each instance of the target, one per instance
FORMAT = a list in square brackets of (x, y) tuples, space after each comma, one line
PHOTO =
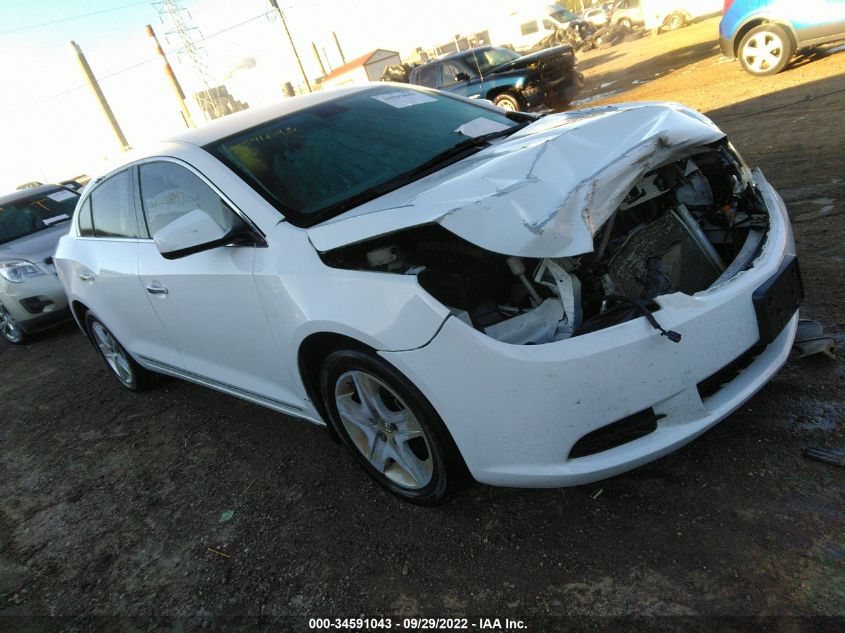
[(404, 98), (480, 127), (61, 195), (55, 218)]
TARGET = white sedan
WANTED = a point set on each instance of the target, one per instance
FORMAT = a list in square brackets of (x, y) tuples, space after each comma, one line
[(448, 287)]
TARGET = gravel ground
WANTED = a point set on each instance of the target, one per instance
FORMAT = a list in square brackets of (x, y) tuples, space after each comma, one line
[(111, 504)]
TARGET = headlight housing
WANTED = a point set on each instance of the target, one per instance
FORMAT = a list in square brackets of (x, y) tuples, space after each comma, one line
[(19, 271)]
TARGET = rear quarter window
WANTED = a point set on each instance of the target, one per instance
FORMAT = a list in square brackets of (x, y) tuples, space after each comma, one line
[(426, 76), (85, 224), (113, 208)]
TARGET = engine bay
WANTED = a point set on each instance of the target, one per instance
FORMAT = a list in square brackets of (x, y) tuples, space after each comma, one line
[(684, 227)]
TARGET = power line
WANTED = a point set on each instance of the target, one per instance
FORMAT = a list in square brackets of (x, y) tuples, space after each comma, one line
[(73, 17), (133, 66)]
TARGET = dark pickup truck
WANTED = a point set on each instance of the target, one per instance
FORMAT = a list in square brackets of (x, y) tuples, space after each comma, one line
[(545, 79)]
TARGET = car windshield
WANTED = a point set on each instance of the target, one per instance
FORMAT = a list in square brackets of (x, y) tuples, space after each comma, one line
[(563, 16), (29, 215), (318, 162), (490, 58)]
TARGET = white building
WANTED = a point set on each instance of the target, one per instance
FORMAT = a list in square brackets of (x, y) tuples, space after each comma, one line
[(366, 68)]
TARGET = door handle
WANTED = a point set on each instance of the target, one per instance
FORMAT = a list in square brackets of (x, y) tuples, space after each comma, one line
[(157, 289), (86, 276)]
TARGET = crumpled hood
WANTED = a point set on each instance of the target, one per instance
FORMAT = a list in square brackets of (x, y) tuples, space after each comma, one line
[(526, 60), (542, 192)]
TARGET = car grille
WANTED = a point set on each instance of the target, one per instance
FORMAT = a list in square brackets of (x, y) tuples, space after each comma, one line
[(711, 385)]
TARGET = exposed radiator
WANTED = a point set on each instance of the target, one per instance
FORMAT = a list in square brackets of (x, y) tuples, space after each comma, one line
[(690, 261)]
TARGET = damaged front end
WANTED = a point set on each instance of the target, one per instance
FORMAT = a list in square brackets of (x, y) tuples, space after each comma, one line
[(692, 222)]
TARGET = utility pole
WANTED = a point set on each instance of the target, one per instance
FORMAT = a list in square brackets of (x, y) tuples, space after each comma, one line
[(319, 59), (101, 98), (180, 96), (275, 5), (339, 49)]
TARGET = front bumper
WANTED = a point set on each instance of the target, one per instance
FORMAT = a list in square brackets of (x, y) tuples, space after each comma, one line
[(516, 412), (37, 303)]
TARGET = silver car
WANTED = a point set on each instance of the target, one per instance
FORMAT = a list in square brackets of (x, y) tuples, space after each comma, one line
[(31, 223)]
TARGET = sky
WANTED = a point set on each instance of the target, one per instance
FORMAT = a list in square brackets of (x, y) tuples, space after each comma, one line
[(51, 125)]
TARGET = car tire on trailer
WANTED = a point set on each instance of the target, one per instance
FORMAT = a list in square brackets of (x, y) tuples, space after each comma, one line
[(389, 426), (508, 101), (766, 50), (10, 329), (675, 21), (626, 23), (128, 372)]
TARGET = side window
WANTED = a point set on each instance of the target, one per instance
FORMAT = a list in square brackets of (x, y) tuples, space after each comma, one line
[(86, 225), (529, 27), (425, 75), (112, 208), (450, 71), (170, 192)]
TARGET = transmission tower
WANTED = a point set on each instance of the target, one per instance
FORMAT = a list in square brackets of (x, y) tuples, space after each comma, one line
[(178, 18)]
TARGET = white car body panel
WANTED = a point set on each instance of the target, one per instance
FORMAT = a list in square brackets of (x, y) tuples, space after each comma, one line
[(542, 192)]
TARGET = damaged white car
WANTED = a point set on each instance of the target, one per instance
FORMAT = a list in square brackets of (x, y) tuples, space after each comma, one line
[(447, 286)]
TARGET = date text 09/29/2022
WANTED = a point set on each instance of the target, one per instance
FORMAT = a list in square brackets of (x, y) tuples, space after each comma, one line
[(417, 624)]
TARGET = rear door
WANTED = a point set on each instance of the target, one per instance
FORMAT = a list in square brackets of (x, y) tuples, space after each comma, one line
[(103, 268), (208, 301)]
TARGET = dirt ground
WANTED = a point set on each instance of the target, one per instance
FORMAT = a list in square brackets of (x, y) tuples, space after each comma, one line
[(110, 502)]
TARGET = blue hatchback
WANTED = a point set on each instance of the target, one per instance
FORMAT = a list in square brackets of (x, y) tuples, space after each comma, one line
[(765, 34)]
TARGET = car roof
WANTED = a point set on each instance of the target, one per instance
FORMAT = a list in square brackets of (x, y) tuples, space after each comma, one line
[(227, 126), (469, 51), (32, 192)]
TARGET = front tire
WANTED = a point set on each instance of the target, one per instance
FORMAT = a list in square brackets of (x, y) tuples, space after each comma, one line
[(626, 23), (766, 50), (128, 372), (10, 329), (508, 101), (676, 21), (389, 426)]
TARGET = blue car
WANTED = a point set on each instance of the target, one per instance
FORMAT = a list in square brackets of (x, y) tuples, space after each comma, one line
[(765, 34), (546, 79)]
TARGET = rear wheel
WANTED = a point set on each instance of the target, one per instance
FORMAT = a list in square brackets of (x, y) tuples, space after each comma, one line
[(10, 329), (128, 373), (766, 50), (507, 101), (389, 426), (626, 22)]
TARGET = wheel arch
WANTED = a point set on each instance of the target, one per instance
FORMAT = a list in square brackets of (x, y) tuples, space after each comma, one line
[(499, 90), (79, 310), (313, 350), (754, 22)]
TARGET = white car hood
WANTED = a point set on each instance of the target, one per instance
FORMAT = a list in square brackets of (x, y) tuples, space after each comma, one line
[(542, 192)]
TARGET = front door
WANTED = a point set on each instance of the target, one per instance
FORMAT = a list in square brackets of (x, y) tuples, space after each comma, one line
[(208, 301)]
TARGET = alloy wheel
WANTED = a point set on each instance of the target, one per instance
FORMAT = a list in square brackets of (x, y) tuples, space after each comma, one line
[(384, 429), (763, 51), (113, 353), (9, 327)]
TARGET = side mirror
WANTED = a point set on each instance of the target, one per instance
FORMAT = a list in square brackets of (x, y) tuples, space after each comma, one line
[(462, 77), (198, 231)]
